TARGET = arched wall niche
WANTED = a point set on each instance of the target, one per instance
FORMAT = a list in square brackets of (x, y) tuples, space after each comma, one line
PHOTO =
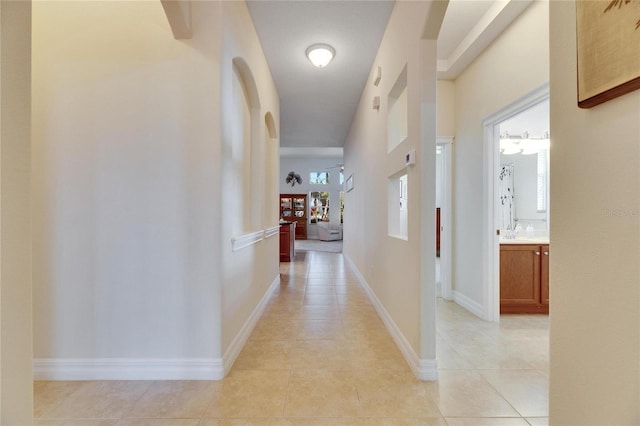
[(271, 125), (255, 156), (249, 82)]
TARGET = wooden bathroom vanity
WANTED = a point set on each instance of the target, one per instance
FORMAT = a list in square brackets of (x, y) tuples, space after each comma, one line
[(524, 278)]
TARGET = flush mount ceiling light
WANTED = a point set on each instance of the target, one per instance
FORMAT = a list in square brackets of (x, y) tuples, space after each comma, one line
[(320, 54)]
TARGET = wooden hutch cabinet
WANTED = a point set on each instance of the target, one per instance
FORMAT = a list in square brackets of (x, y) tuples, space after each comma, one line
[(293, 208), (524, 278)]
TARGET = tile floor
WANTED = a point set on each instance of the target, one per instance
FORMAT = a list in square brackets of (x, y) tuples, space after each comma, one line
[(320, 355)]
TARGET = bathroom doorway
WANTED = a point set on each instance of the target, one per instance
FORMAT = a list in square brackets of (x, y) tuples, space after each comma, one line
[(516, 203)]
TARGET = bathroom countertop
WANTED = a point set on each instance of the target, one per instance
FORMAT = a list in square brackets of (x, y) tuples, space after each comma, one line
[(525, 240)]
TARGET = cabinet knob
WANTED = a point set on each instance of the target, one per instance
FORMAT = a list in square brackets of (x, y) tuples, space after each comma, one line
[(546, 253), (537, 253)]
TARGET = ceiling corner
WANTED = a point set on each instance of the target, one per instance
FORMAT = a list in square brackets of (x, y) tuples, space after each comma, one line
[(487, 28)]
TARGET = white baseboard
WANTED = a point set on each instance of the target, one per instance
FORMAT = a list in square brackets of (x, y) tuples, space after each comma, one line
[(423, 368), (426, 369), (232, 352), (128, 369), (151, 369), (469, 304)]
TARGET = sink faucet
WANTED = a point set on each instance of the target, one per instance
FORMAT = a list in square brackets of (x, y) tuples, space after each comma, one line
[(510, 234)]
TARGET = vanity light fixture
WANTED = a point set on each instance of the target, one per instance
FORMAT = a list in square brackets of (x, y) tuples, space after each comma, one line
[(510, 144), (523, 144), (320, 54)]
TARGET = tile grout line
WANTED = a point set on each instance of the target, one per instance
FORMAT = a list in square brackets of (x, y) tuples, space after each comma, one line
[(149, 385), (501, 395), (290, 372), (286, 395)]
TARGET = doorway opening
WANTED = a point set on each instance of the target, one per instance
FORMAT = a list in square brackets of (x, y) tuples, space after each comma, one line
[(444, 174), (516, 204)]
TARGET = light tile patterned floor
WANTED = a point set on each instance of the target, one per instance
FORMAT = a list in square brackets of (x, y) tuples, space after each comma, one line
[(320, 355)]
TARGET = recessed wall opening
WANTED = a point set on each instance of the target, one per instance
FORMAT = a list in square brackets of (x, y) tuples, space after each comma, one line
[(397, 119), (270, 214), (270, 218), (241, 150), (398, 200), (247, 151)]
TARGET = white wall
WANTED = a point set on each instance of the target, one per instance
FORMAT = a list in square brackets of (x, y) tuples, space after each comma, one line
[(248, 272), (124, 262), (513, 65), (303, 166), (446, 124), (595, 231), (392, 266), (130, 220), (16, 389)]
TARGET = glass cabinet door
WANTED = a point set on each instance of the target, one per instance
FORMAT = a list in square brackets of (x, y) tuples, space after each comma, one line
[(286, 210), (299, 207)]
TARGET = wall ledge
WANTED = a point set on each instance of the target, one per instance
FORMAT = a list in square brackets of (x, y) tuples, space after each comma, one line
[(270, 232), (424, 368), (128, 369), (246, 240)]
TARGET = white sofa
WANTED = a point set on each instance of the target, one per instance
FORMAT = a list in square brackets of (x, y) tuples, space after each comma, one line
[(329, 232)]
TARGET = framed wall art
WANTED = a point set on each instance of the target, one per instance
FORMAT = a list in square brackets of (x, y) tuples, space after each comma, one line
[(608, 43)]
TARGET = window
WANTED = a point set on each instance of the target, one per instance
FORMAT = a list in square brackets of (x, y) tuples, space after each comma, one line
[(397, 118), (318, 206), (319, 178), (341, 177)]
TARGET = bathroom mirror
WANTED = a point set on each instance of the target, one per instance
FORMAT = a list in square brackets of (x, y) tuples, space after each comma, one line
[(525, 190), (524, 173)]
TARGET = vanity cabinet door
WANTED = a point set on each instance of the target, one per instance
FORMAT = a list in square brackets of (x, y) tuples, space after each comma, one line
[(544, 275), (519, 278)]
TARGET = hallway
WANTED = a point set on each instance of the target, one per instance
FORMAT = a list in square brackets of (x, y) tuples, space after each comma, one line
[(320, 355)]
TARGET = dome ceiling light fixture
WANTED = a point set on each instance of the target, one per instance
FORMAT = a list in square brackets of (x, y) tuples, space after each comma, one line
[(320, 54)]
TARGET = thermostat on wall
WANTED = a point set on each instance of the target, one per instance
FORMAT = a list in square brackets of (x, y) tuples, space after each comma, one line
[(410, 158)]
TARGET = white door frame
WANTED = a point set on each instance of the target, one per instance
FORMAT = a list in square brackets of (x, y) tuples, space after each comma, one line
[(446, 216), (490, 238)]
